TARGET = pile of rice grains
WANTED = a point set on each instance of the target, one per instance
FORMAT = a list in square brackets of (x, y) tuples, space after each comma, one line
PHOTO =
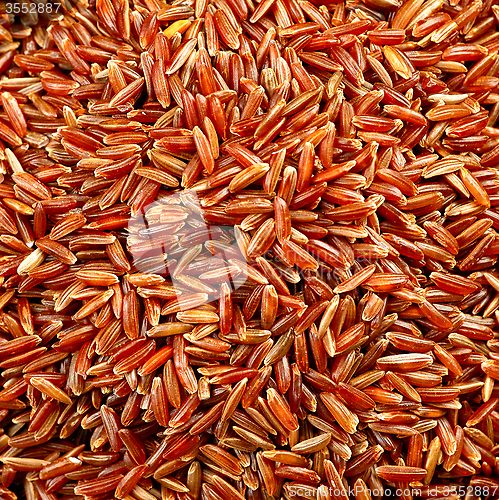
[(248, 250)]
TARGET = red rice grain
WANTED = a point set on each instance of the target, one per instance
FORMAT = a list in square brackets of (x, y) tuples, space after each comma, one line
[(248, 250)]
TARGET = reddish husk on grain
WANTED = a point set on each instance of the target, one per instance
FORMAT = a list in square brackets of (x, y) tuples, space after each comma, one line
[(248, 250)]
